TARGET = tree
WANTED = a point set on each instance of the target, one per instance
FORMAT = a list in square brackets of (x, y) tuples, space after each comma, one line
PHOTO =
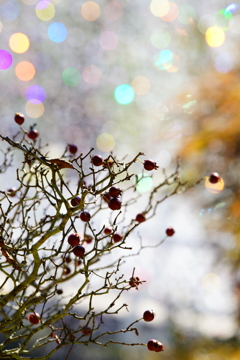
[(42, 249)]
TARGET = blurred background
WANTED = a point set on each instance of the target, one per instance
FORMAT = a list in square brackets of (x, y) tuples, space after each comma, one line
[(159, 77)]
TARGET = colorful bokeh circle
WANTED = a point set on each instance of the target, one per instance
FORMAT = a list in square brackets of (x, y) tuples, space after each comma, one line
[(124, 94), (71, 76), (57, 32), (5, 59)]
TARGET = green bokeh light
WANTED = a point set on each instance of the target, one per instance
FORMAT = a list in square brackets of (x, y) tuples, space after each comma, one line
[(145, 183), (160, 38), (222, 19), (124, 94), (71, 76)]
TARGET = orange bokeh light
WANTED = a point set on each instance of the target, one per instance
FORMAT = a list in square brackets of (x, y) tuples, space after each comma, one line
[(25, 71)]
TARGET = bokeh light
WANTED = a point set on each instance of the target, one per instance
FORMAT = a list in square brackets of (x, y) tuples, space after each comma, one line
[(211, 282), (35, 94), (19, 43), (172, 13), (45, 10), (215, 36), (91, 74), (141, 85), (222, 19), (144, 183), (187, 14), (57, 32), (160, 38), (108, 40), (224, 63), (71, 76), (90, 11), (5, 59), (25, 71), (214, 188), (124, 94), (164, 59), (10, 10), (35, 110), (113, 11), (105, 142), (159, 8)]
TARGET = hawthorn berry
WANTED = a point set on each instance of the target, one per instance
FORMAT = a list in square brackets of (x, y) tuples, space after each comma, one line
[(34, 318), (33, 134), (106, 197), (214, 178), (79, 262), (67, 270), (12, 192), (107, 231), (148, 315), (88, 239), (72, 148), (140, 218), (108, 164), (79, 251), (59, 291), (74, 239), (75, 201), (159, 347), (67, 259), (97, 160), (151, 344), (117, 237), (170, 231), (87, 331), (114, 191), (85, 216), (114, 204), (19, 118), (149, 165)]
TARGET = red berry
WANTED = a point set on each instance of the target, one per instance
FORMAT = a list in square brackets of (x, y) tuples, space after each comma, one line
[(114, 204), (75, 201), (85, 216), (107, 231), (108, 164), (88, 239), (87, 331), (66, 270), (72, 148), (67, 259), (79, 262), (134, 282), (33, 134), (106, 197), (148, 315), (11, 192), (170, 231), (19, 118), (59, 291), (159, 346), (151, 344), (140, 218), (150, 165), (117, 237), (74, 239), (97, 160), (79, 251), (114, 191), (214, 178), (34, 318)]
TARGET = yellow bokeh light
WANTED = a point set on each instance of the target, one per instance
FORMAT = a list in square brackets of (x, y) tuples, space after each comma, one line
[(90, 11), (45, 10), (105, 142), (19, 43), (215, 36), (25, 71), (159, 8), (34, 110), (141, 85), (214, 188), (211, 282)]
